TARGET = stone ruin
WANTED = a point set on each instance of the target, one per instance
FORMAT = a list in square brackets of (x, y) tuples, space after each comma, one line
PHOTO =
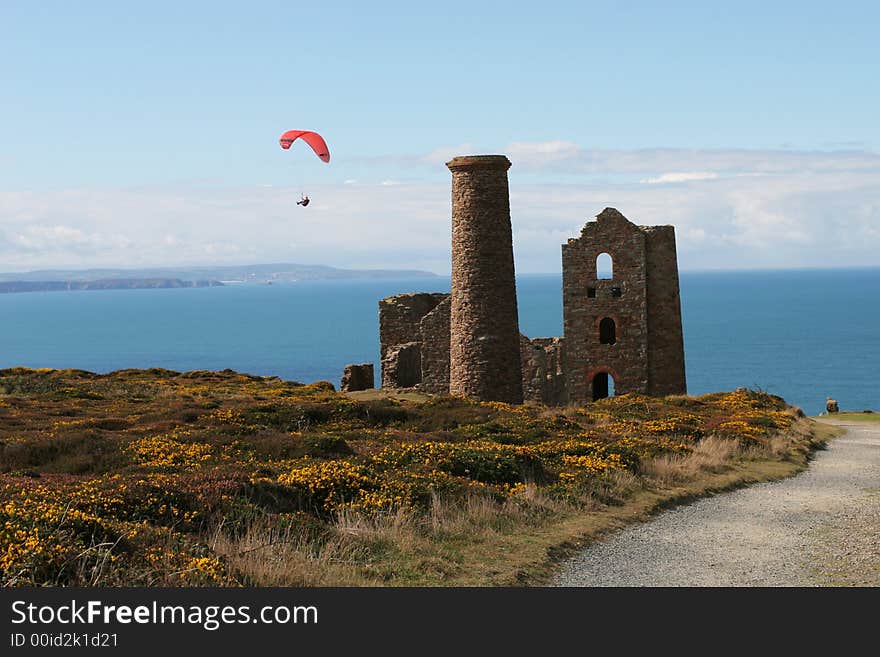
[(406, 323), (357, 377), (622, 330)]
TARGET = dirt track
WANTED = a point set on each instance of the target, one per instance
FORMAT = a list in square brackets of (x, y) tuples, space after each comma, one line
[(819, 528)]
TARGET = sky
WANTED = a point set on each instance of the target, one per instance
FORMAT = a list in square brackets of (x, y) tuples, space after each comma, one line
[(144, 134)]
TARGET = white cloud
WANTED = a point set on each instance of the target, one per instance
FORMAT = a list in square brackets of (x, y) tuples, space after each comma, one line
[(782, 220), (695, 235), (569, 158), (539, 154), (825, 213), (375, 226), (442, 155), (684, 176), (42, 238)]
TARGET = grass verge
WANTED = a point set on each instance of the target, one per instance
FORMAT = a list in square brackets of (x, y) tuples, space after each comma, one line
[(850, 416)]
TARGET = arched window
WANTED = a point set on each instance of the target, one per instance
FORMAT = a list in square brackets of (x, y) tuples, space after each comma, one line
[(607, 331), (603, 386), (604, 266)]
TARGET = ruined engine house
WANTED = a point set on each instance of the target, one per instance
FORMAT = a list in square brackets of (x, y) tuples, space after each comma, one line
[(621, 322)]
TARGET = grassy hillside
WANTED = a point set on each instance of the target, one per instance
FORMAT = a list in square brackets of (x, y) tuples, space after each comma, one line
[(159, 478)]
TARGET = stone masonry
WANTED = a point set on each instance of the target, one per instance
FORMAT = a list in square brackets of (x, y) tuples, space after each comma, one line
[(543, 377), (414, 341), (484, 348), (357, 377), (434, 332), (402, 366), (622, 331), (399, 318), (665, 338)]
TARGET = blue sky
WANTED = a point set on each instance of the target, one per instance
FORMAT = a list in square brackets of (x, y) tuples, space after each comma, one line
[(146, 133)]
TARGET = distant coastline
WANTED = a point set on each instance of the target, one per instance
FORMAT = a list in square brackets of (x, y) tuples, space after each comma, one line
[(10, 287), (175, 277)]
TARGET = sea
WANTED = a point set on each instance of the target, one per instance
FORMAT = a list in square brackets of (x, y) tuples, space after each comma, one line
[(805, 335)]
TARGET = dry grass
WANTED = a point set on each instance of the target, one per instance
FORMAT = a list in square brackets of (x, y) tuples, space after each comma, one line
[(365, 550), (712, 454), (796, 444), (266, 554)]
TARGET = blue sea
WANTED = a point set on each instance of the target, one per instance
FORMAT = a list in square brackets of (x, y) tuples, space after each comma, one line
[(805, 335)]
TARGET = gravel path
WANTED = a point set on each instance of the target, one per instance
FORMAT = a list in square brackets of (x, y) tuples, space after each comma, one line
[(819, 528)]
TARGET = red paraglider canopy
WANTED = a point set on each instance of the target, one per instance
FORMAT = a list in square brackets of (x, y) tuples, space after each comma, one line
[(313, 139)]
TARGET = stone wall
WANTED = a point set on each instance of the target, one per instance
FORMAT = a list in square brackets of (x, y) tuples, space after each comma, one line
[(434, 333), (543, 377), (666, 372), (402, 366), (357, 377), (484, 347), (399, 318)]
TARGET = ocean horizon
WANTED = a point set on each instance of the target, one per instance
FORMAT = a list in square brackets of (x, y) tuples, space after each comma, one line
[(803, 334)]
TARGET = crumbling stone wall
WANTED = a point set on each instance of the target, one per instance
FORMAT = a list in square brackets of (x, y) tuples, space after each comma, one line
[(484, 326), (402, 366), (434, 332), (666, 369), (399, 324), (357, 377), (543, 377)]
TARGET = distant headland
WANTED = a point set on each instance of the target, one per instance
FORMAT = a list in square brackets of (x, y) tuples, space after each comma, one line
[(101, 284), (177, 277)]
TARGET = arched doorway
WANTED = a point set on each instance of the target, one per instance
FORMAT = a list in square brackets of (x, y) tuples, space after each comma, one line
[(603, 385)]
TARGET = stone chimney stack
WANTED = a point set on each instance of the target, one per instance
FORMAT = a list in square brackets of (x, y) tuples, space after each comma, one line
[(484, 349)]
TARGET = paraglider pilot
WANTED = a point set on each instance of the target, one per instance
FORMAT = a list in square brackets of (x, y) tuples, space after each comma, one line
[(304, 201)]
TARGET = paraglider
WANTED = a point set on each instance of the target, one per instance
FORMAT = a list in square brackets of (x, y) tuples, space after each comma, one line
[(314, 140)]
